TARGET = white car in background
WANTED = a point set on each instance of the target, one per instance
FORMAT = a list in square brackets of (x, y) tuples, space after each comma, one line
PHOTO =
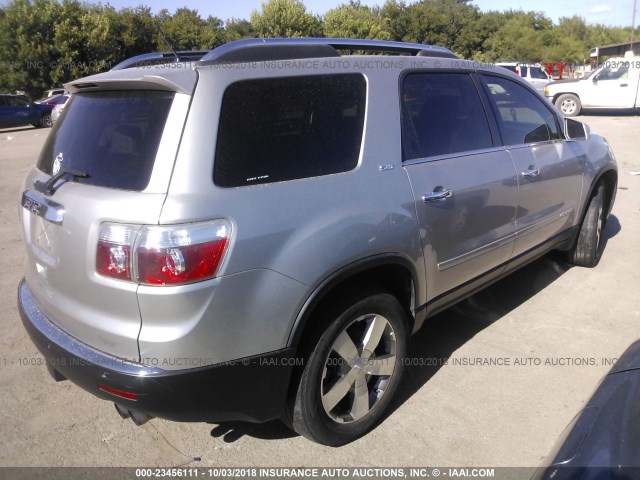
[(57, 110), (535, 74)]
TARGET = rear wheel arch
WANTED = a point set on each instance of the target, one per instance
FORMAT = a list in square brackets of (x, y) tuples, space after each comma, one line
[(392, 273)]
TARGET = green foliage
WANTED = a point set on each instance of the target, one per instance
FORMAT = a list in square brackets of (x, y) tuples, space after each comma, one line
[(185, 30), (449, 23), (285, 18), (237, 28), (44, 43), (354, 20)]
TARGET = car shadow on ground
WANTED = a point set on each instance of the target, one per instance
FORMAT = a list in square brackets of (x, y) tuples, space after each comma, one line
[(612, 112), (445, 333), (16, 129)]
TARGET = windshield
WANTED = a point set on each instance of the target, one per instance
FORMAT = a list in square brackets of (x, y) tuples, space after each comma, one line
[(112, 137)]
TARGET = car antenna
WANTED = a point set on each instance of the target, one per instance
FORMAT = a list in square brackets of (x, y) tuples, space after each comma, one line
[(175, 54)]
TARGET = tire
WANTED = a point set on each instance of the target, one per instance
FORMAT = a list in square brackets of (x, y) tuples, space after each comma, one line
[(569, 104), (45, 121), (586, 252), (339, 397)]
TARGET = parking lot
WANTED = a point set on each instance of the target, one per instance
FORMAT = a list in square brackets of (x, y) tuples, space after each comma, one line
[(492, 381)]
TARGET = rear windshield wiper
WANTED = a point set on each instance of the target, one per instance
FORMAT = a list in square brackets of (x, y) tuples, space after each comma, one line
[(55, 182)]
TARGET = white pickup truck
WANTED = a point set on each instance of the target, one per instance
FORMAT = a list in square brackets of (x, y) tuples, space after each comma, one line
[(613, 85)]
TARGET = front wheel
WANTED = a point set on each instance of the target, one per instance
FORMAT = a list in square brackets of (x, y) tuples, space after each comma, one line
[(569, 105), (45, 121), (586, 251), (353, 372)]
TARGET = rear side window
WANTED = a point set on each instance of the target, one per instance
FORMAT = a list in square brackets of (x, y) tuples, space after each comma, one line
[(112, 137), (442, 114), (538, 72), (521, 115), (280, 129)]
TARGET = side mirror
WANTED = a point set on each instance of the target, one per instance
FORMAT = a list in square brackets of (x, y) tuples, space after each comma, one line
[(595, 79), (575, 130)]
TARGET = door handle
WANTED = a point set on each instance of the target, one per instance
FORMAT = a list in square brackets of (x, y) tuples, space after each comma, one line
[(531, 172), (437, 196), (624, 85)]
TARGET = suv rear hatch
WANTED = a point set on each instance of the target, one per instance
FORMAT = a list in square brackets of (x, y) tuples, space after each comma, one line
[(108, 159)]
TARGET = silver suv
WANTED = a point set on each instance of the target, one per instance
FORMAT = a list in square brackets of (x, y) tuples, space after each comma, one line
[(256, 234)]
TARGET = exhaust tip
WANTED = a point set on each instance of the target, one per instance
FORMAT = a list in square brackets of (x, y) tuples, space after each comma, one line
[(56, 375), (122, 411), (139, 418)]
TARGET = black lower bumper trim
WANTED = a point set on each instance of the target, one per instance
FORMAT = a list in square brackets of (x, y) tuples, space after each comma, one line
[(252, 389)]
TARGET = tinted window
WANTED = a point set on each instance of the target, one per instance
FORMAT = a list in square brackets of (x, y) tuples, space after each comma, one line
[(538, 72), (285, 128), (524, 71), (113, 137), (509, 67), (442, 114), (522, 116)]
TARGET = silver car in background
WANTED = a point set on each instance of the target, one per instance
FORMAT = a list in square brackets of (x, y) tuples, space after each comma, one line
[(59, 108), (256, 234)]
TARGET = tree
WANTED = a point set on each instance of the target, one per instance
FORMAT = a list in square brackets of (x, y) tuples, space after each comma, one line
[(522, 37), (236, 28), (354, 21), (395, 19), (285, 18), (186, 30), (27, 45), (448, 23)]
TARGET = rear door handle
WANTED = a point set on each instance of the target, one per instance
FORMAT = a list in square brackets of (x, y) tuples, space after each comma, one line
[(531, 172), (437, 196)]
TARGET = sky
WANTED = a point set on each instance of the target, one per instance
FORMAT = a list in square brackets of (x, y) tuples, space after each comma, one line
[(608, 12)]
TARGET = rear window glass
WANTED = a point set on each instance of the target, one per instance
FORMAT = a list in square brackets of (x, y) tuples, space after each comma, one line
[(112, 137), (280, 129)]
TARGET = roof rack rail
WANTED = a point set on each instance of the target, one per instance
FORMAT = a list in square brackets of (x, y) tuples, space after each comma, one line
[(267, 49), (159, 58)]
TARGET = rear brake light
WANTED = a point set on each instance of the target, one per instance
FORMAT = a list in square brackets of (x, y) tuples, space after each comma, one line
[(114, 250), (173, 255), (162, 255)]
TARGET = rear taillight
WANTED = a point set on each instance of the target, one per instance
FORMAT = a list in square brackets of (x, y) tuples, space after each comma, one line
[(172, 255), (162, 255), (115, 244)]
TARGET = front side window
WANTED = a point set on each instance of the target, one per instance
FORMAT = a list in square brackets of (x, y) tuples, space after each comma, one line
[(279, 129), (522, 116), (442, 114), (611, 73), (112, 137)]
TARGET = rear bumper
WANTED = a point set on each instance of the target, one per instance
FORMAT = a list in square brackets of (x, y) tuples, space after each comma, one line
[(250, 389)]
